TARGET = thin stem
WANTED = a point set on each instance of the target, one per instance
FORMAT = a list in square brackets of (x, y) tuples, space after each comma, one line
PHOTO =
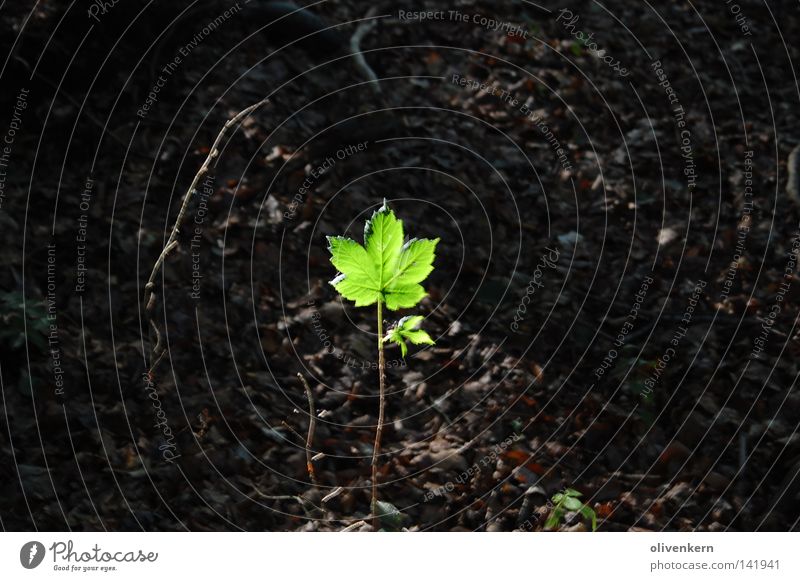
[(379, 431), (312, 424)]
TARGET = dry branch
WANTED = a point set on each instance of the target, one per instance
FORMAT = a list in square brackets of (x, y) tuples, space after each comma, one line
[(312, 424), (172, 241), (355, 47)]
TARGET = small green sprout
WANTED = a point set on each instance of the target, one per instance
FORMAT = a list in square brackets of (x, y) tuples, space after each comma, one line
[(384, 271), (15, 328), (391, 519), (567, 501), (407, 329)]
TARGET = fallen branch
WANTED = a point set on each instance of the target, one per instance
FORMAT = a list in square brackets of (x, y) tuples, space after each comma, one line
[(172, 241), (304, 503), (312, 424), (353, 527), (364, 27), (332, 494)]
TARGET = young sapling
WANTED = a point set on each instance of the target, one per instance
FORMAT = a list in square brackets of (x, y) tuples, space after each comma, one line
[(568, 501), (385, 271)]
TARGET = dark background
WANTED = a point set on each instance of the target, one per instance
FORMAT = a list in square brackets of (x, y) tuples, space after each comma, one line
[(711, 445)]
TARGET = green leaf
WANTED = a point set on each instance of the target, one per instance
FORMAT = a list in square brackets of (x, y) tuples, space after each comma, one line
[(384, 269), (551, 522), (572, 504), (572, 492), (419, 337), (391, 518), (407, 329), (411, 322), (589, 513), (555, 519), (404, 296), (383, 238), (359, 279), (414, 264)]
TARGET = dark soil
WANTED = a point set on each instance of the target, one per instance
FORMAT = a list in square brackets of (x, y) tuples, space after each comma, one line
[(614, 299)]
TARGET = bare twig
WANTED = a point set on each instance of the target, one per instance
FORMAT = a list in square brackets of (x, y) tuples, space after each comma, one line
[(364, 27), (793, 169), (353, 527), (172, 241), (286, 425), (304, 503), (332, 494), (312, 424)]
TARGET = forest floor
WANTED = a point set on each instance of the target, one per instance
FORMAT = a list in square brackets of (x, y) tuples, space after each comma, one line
[(614, 299)]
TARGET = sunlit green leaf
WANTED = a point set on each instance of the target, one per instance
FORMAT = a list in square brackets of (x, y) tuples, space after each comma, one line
[(384, 269), (407, 329)]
